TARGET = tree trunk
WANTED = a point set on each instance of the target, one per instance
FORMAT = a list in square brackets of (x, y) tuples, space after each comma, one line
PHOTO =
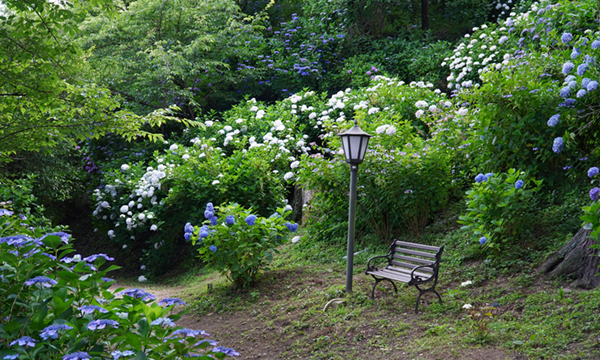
[(425, 14), (576, 260)]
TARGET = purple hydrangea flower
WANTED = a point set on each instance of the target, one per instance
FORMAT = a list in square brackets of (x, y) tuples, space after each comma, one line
[(188, 228), (6, 212), (24, 341), (482, 240), (581, 93), (171, 301), (210, 342), (12, 357), (593, 171), (213, 248), (567, 67), (553, 121), (480, 178), (80, 355), (88, 309), (502, 39), (565, 92), (558, 145), (594, 193), (226, 351), (214, 221), (42, 280), (230, 219), (101, 324), (519, 184), (52, 331), (117, 354), (566, 37), (138, 294), (581, 69), (250, 219), (595, 44), (291, 227), (593, 85), (189, 332), (105, 279), (64, 237), (93, 258)]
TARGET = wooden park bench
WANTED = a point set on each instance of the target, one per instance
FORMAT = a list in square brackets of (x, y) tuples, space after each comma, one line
[(410, 263)]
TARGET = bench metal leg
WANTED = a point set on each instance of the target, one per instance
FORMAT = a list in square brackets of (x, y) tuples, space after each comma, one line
[(377, 281), (423, 291)]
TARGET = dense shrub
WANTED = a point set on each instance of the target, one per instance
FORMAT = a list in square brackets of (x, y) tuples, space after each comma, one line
[(59, 305)]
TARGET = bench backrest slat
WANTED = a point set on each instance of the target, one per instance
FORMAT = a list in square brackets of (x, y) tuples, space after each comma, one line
[(408, 272), (413, 252), (417, 246), (413, 259), (411, 266)]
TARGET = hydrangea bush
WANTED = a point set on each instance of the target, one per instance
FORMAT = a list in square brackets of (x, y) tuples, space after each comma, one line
[(497, 208), (238, 243), (60, 305)]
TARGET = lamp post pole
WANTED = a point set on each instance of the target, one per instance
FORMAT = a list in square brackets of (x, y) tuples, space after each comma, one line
[(351, 217)]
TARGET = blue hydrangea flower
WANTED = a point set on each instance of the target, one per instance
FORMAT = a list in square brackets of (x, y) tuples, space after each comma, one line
[(585, 82), (42, 280), (593, 85), (203, 232), (593, 171), (117, 354), (52, 331), (566, 38), (569, 78), (93, 258), (171, 301), (89, 309), (12, 357), (102, 324), (519, 184), (595, 44), (210, 342), (227, 351), (558, 145), (553, 121), (594, 193), (49, 255), (105, 279), (480, 178), (163, 321), (291, 227), (581, 69), (250, 219), (575, 53), (572, 84), (24, 341), (189, 332), (230, 219), (187, 236), (209, 214), (210, 207), (188, 228), (565, 92), (6, 212), (80, 355), (214, 221), (569, 102), (567, 67), (482, 240), (489, 176), (213, 248), (138, 294), (64, 237), (581, 93)]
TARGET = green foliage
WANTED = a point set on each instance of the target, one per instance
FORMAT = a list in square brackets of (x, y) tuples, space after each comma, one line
[(43, 285), (497, 207), (239, 244), (18, 196)]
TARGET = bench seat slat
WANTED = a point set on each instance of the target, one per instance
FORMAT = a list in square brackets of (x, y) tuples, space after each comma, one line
[(413, 252), (417, 246), (411, 266), (391, 275), (413, 259), (405, 271)]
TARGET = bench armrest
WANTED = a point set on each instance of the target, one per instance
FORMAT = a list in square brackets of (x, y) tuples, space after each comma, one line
[(374, 268), (417, 279)]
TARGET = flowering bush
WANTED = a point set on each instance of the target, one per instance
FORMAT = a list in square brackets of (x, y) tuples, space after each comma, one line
[(237, 243), (57, 305), (496, 208)]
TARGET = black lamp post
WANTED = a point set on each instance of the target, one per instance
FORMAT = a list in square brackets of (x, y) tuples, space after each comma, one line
[(355, 143)]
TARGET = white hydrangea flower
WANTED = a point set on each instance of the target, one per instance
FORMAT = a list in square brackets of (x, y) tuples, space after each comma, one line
[(153, 227), (463, 111), (142, 278), (288, 176), (124, 209), (260, 114), (373, 110), (294, 164), (209, 123), (254, 109), (278, 125), (173, 147), (390, 130), (419, 113), (124, 167), (216, 182), (421, 104)]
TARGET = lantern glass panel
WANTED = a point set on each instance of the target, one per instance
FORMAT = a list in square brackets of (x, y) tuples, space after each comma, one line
[(346, 145), (355, 148)]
